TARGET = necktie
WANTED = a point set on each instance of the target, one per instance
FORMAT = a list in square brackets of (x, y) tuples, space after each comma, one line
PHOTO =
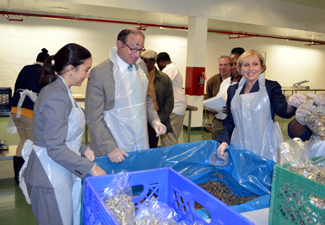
[(130, 67)]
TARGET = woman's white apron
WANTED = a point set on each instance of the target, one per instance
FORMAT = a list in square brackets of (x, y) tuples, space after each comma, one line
[(254, 127), (67, 186)]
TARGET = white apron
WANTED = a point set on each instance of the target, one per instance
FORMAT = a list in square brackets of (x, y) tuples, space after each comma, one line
[(67, 186), (32, 95), (254, 127), (315, 147), (128, 119), (11, 128)]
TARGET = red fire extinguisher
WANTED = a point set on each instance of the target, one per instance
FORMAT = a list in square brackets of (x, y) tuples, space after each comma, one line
[(202, 79)]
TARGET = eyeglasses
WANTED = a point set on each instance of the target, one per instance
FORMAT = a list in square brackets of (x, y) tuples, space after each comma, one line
[(134, 50)]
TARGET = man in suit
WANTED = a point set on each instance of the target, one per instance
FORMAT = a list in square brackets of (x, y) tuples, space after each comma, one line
[(161, 90), (212, 89), (118, 105)]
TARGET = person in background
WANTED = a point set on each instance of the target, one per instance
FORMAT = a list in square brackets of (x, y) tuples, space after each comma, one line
[(237, 50), (212, 89), (161, 90), (252, 104), (176, 118), (118, 105), (27, 88), (234, 75), (52, 173), (298, 128)]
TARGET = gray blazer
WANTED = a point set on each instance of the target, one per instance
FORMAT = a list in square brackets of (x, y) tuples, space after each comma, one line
[(50, 119), (100, 96)]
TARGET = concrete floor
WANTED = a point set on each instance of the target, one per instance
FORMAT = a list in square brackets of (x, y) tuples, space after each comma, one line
[(13, 207)]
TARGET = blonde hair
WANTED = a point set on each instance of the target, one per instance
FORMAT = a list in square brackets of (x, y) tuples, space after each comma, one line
[(250, 53)]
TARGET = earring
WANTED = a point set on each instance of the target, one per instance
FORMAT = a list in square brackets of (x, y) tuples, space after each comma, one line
[(70, 74)]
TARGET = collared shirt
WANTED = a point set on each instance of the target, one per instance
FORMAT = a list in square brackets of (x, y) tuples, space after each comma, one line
[(123, 65)]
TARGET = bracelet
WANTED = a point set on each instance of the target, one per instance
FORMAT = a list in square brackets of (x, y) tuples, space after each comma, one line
[(95, 164)]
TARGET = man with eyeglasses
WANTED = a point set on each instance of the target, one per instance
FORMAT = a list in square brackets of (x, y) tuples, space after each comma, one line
[(118, 105)]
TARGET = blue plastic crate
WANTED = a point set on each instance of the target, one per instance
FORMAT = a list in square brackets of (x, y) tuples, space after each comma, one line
[(169, 187)]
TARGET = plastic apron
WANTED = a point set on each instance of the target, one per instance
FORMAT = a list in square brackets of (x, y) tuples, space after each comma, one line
[(11, 128), (315, 147), (254, 128), (32, 95), (128, 119), (67, 186)]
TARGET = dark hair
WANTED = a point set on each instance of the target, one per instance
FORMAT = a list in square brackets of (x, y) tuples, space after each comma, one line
[(42, 55), (123, 35), (163, 56), (70, 54), (237, 50)]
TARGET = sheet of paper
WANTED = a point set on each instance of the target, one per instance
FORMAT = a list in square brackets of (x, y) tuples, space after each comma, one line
[(216, 104)]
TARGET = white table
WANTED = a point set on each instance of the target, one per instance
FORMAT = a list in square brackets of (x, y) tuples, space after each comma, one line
[(8, 154), (258, 217)]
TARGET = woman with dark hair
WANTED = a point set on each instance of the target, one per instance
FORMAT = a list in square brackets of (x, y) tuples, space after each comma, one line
[(26, 90), (51, 176)]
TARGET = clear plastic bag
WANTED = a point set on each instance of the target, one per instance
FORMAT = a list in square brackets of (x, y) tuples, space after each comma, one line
[(293, 152), (11, 128), (153, 212), (316, 122), (118, 198)]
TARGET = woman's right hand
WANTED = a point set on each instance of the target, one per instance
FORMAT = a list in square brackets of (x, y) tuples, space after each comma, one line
[(117, 155), (97, 171), (221, 150)]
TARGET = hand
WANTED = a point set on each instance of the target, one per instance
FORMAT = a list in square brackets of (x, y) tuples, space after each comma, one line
[(225, 110), (304, 111), (97, 171), (89, 154), (296, 100), (221, 150), (159, 128), (320, 99), (211, 112), (117, 155)]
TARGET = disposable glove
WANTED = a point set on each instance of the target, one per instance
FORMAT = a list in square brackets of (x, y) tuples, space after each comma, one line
[(89, 154), (117, 155), (222, 148), (159, 128), (304, 111), (296, 100), (320, 99), (97, 171)]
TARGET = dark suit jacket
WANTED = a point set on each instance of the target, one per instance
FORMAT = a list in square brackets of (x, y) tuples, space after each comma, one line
[(164, 97)]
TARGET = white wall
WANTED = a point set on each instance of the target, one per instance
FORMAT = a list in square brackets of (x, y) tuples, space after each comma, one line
[(287, 62)]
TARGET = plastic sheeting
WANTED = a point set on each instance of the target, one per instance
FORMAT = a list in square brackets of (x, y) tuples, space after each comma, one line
[(246, 174)]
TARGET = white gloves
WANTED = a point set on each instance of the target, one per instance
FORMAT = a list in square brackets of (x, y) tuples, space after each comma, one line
[(89, 154), (320, 99), (117, 155), (159, 128), (97, 171), (296, 100), (304, 111), (222, 148)]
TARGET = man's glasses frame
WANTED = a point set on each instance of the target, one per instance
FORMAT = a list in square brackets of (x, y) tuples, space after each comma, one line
[(134, 50)]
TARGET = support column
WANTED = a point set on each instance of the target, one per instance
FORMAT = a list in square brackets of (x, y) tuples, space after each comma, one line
[(195, 65)]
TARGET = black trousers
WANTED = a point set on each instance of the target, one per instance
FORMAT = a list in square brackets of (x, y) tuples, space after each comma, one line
[(153, 140)]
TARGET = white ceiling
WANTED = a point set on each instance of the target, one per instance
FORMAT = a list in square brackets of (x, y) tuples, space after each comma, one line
[(100, 12)]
